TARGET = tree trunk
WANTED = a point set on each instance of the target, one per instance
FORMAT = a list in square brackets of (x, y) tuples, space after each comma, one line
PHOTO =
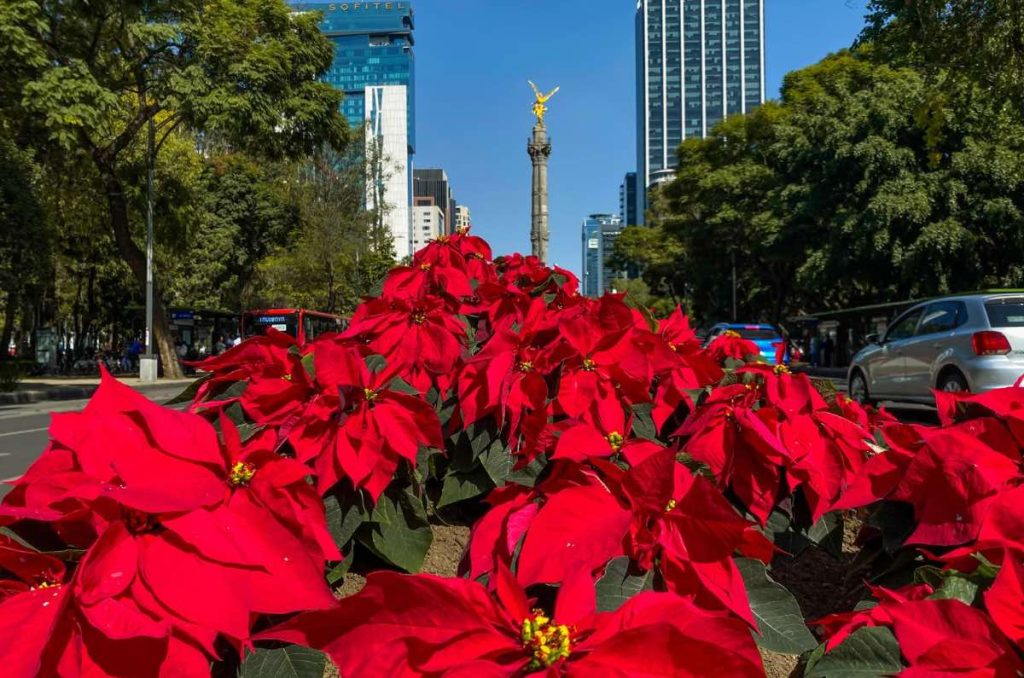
[(10, 306), (136, 261)]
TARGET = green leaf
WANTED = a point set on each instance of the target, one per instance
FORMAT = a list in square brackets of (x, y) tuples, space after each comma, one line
[(957, 588), (398, 531), (293, 661), (402, 386), (779, 620), (528, 475), (617, 585), (376, 363), (497, 461), (13, 536), (345, 512), (307, 362), (461, 486), (643, 423), (189, 394), (869, 652), (896, 522)]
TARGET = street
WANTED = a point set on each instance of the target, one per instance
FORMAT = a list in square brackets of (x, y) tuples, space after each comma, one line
[(23, 428)]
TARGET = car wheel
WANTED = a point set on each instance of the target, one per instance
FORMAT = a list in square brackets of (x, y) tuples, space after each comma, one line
[(859, 389), (954, 382)]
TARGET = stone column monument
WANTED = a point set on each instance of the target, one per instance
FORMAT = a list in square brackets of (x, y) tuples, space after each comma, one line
[(539, 148)]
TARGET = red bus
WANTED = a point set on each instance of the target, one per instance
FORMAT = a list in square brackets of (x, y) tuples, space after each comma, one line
[(303, 324)]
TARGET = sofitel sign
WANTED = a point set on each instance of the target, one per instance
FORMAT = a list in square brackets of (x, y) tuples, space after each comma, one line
[(356, 6)]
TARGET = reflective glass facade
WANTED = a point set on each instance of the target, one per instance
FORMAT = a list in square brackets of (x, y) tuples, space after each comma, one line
[(599, 234), (697, 62), (373, 45)]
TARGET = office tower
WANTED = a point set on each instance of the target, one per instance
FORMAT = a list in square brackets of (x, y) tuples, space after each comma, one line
[(427, 222), (462, 217), (599, 234), (374, 65), (386, 139), (434, 183), (697, 61), (627, 200)]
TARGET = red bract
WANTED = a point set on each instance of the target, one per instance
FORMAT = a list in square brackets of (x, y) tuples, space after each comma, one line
[(358, 427), (276, 383), (421, 625), (739, 445), (419, 337), (657, 513), (186, 541), (506, 378), (730, 345), (937, 637), (1005, 601), (951, 482)]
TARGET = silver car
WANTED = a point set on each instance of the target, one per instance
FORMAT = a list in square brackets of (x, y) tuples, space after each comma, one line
[(962, 343)]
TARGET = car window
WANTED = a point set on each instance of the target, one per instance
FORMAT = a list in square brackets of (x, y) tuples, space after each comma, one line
[(942, 316), (904, 326), (1005, 312), (758, 334)]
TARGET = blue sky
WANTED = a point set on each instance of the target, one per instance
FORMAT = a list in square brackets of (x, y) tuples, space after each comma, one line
[(473, 58)]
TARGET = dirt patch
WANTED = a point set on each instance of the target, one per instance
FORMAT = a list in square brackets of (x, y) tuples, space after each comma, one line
[(446, 550), (778, 665)]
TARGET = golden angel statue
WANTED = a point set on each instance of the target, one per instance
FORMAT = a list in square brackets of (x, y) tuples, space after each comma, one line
[(539, 109)]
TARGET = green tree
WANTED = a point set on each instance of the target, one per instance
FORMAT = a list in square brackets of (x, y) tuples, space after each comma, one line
[(342, 251), (25, 234), (93, 74)]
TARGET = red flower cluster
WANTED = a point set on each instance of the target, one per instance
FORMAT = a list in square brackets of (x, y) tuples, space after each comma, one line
[(184, 540), (170, 538)]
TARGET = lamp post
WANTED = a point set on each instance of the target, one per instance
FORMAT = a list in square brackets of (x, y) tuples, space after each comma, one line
[(149, 363)]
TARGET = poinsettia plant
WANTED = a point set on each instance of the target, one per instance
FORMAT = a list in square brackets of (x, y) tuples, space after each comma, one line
[(630, 491)]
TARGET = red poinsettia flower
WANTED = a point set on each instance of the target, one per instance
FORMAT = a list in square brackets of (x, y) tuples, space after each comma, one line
[(358, 427), (730, 345), (952, 481), (1006, 404), (181, 545), (1001, 537), (739, 444), (610, 435), (270, 366), (936, 637), (506, 378), (422, 625), (419, 337), (594, 378), (1004, 601)]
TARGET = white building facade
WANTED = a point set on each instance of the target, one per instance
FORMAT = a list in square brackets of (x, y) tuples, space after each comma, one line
[(387, 126), (427, 224), (462, 219)]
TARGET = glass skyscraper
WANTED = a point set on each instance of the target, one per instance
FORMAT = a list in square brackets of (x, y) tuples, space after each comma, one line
[(697, 61), (373, 46), (374, 66), (599, 234)]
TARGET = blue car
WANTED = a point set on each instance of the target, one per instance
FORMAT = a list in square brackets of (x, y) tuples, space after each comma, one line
[(767, 337)]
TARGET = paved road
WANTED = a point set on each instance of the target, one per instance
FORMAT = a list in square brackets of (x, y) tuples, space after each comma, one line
[(23, 430)]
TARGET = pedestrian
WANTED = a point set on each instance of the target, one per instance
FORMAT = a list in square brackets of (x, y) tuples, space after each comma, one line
[(219, 347), (828, 349), (134, 350), (236, 340)]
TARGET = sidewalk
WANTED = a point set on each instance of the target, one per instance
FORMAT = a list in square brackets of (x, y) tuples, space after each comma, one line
[(39, 389)]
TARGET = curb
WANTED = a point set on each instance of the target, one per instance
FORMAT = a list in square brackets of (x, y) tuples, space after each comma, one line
[(69, 393)]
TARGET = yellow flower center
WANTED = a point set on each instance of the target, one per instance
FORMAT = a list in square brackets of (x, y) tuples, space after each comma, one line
[(615, 440), (442, 238), (424, 267), (47, 583), (548, 641), (780, 370), (671, 505), (588, 365), (674, 347), (526, 366), (287, 377), (241, 473), (419, 317), (370, 394), (463, 230)]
